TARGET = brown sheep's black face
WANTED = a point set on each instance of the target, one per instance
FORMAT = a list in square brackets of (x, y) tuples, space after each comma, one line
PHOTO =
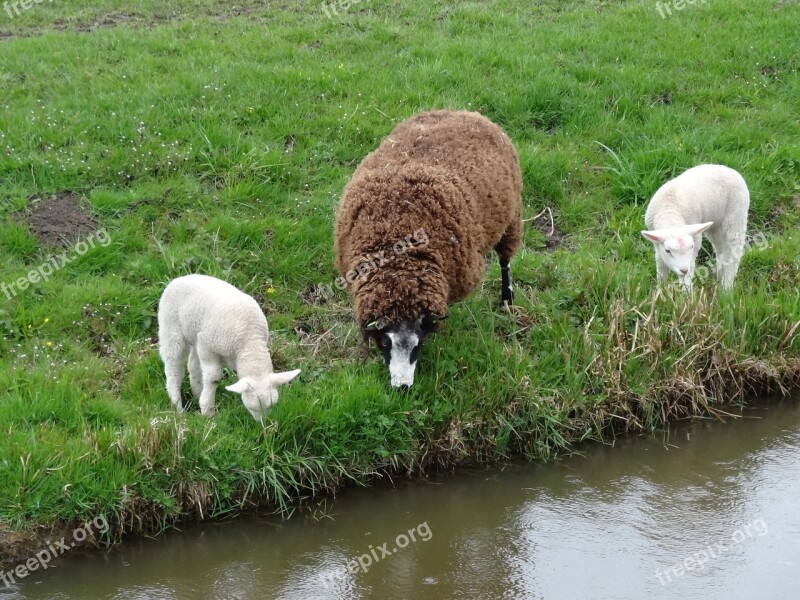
[(401, 344)]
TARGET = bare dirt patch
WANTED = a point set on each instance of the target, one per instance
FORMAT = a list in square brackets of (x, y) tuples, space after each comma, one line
[(664, 98), (58, 220), (317, 294), (546, 224), (288, 143), (328, 336), (113, 19), (254, 10), (774, 217)]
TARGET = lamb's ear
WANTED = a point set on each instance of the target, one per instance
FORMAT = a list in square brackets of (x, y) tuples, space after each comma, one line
[(285, 377), (699, 228), (239, 387), (654, 236)]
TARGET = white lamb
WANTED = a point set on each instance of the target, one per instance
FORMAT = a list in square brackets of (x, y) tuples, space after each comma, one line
[(708, 198), (213, 323)]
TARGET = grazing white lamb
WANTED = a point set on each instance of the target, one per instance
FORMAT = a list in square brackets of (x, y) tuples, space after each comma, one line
[(213, 323), (708, 198)]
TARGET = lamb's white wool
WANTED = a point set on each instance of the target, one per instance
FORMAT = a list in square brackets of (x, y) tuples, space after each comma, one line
[(708, 198), (215, 324)]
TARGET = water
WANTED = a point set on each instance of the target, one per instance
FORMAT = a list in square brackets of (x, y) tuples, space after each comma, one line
[(721, 499)]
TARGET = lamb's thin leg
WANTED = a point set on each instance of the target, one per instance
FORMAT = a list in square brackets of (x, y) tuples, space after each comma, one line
[(195, 373), (211, 368), (173, 353), (507, 291), (728, 249), (725, 272), (727, 267), (721, 257)]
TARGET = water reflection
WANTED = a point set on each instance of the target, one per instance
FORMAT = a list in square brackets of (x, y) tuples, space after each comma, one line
[(602, 525)]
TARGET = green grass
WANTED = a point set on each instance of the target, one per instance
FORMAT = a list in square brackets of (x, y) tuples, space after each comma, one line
[(208, 142)]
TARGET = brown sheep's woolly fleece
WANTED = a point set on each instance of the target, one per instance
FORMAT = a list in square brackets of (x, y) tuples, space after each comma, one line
[(454, 176)]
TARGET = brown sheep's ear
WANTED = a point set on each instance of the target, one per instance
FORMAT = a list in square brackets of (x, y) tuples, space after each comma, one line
[(430, 321), (375, 325)]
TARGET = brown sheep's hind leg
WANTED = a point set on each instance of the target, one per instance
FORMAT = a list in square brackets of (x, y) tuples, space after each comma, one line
[(506, 294), (505, 249)]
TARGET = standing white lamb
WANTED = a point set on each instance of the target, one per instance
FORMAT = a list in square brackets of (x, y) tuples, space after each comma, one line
[(707, 198), (215, 324)]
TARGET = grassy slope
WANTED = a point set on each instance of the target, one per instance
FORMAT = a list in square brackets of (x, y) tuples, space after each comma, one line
[(174, 135)]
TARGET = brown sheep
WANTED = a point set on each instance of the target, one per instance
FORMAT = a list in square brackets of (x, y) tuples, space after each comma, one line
[(415, 222)]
